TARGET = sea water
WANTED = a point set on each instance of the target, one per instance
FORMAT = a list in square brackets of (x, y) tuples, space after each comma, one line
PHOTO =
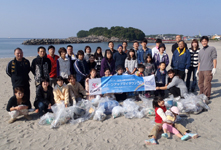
[(7, 46)]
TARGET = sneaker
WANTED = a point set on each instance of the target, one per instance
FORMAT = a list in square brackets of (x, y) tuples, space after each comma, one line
[(185, 137), (165, 135), (27, 117), (11, 120), (192, 135), (150, 142)]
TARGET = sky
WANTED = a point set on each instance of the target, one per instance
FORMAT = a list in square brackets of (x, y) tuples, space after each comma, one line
[(64, 18)]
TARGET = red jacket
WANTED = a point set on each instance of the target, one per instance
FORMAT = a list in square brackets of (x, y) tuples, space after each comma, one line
[(158, 119), (53, 73)]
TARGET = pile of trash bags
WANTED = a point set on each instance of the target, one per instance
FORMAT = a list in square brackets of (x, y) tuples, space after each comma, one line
[(189, 104), (96, 109)]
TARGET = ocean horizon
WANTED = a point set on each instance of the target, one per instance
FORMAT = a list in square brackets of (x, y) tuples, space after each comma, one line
[(7, 46)]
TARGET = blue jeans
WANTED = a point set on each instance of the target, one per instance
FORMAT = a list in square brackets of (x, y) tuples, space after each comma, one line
[(194, 83), (43, 108)]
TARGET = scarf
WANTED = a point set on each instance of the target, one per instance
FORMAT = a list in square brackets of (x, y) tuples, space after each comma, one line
[(184, 50)]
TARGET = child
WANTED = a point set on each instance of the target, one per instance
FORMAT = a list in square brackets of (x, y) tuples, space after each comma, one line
[(76, 90), (160, 117), (161, 56), (61, 93), (91, 63), (168, 126), (87, 54), (161, 79), (93, 74), (149, 66), (63, 65), (44, 98), (131, 62), (17, 105), (81, 68), (156, 48), (98, 57), (120, 96), (142, 53), (139, 73), (107, 73)]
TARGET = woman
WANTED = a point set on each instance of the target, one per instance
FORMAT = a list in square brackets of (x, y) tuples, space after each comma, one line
[(181, 60), (177, 87), (17, 105), (194, 51), (44, 97), (98, 57), (107, 62), (87, 51)]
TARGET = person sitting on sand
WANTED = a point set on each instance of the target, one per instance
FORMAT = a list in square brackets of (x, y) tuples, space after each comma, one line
[(44, 98), (18, 105), (160, 117), (61, 93), (76, 90)]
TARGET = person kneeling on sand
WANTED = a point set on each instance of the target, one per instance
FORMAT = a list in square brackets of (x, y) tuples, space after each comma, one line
[(76, 90), (61, 93), (18, 105), (160, 118)]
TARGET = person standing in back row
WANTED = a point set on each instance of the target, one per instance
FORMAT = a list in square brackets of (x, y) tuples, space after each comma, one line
[(174, 47), (111, 46), (206, 67), (70, 54), (142, 53), (18, 70), (41, 66), (119, 57)]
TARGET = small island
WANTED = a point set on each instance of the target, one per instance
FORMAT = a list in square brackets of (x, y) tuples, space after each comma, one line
[(95, 35)]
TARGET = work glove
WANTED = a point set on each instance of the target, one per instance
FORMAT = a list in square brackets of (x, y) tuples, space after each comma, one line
[(214, 71), (186, 70)]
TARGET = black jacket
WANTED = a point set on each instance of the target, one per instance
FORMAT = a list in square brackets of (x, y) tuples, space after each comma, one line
[(46, 97), (174, 47), (13, 103), (18, 71), (41, 67)]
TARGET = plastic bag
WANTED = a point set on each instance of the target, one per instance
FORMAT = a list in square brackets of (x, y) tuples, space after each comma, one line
[(117, 111), (46, 119), (77, 111), (169, 101), (95, 101), (131, 109), (108, 105), (99, 114)]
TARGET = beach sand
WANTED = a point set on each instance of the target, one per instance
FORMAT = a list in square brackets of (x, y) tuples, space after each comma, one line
[(119, 133)]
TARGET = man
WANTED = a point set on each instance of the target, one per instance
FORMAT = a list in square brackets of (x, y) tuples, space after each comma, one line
[(206, 67), (174, 47), (53, 58), (111, 46), (142, 53), (70, 54), (18, 70), (135, 47), (41, 66), (119, 57), (124, 44), (155, 49)]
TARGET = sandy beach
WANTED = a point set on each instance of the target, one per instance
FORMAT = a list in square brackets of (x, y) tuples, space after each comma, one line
[(117, 134)]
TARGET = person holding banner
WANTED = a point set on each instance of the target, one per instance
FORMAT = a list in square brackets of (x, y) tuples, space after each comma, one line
[(107, 62), (177, 87), (93, 74)]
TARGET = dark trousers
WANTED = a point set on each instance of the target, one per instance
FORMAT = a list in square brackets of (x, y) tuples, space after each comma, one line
[(175, 91), (120, 97), (82, 83), (159, 92), (26, 93), (180, 73), (194, 83), (43, 108)]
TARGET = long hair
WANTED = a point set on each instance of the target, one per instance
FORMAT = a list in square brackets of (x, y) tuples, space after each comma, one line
[(105, 55), (96, 55), (20, 89), (195, 41), (134, 57), (156, 100), (149, 55)]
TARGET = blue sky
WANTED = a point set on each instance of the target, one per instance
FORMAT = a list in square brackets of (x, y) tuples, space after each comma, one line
[(61, 19)]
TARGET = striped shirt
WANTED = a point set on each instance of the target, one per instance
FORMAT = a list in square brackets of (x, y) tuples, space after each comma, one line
[(194, 57)]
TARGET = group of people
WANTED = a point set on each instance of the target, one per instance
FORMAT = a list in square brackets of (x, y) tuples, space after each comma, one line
[(65, 78)]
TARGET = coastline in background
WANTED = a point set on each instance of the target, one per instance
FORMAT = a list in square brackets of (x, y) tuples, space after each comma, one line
[(7, 46)]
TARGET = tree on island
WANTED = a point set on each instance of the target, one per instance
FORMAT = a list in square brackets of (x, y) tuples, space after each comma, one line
[(117, 31)]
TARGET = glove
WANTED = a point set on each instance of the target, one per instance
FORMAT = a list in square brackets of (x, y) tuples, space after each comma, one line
[(197, 73), (186, 70), (214, 71)]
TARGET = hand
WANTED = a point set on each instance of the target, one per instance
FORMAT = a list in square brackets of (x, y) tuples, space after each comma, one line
[(87, 93), (49, 106), (197, 73), (157, 88), (87, 80), (128, 72), (186, 70), (214, 71), (19, 107), (66, 105)]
